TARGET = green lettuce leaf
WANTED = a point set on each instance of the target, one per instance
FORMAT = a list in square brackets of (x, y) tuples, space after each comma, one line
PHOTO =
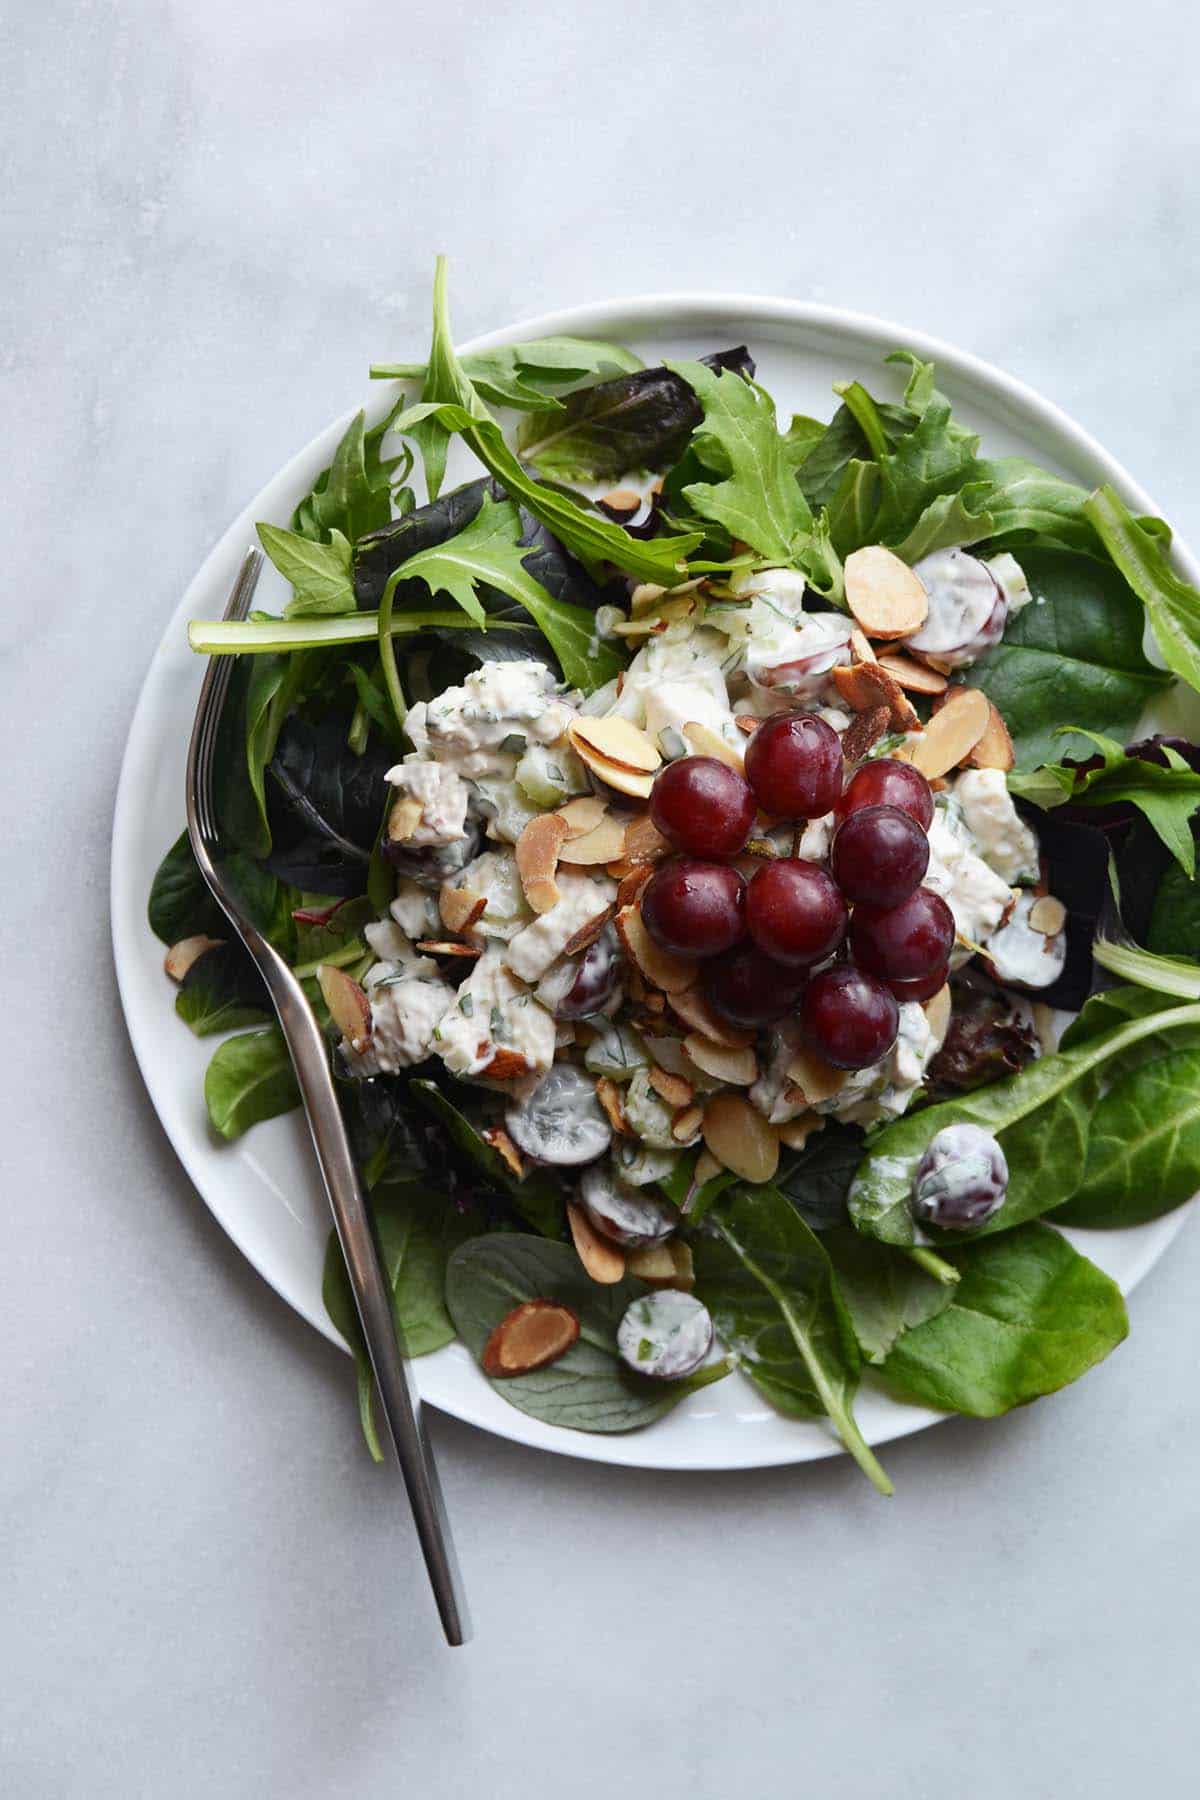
[(1172, 604), (319, 573), (528, 376)]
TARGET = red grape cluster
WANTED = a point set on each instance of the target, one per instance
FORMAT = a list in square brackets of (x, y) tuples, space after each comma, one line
[(762, 938)]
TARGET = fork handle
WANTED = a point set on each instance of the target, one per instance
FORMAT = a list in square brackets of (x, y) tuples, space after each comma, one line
[(398, 1393)]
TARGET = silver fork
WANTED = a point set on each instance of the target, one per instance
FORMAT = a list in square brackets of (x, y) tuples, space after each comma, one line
[(397, 1391)]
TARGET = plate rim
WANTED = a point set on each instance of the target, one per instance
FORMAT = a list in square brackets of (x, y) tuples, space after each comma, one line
[(679, 310)]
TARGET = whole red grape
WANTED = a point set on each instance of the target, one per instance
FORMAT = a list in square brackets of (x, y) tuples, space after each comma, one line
[(889, 782), (750, 988), (702, 806), (921, 987), (795, 911), (879, 856), (905, 942), (694, 908), (849, 1017), (794, 764)]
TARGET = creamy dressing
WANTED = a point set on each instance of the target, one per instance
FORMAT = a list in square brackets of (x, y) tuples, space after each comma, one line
[(493, 1010), (582, 898), (1003, 839), (966, 607), (443, 797), (1019, 953), (975, 894), (485, 726), (494, 875)]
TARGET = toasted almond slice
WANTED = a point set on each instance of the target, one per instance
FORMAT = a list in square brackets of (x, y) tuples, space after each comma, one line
[(529, 1337), (738, 1067), (436, 947), (707, 742), (644, 842), (505, 1149), (1043, 1024), (603, 1260), (582, 815), (860, 648), (673, 1088), (691, 1006), (747, 724), (706, 1167), (460, 907), (662, 970), (816, 1079), (348, 1006), (995, 748), (615, 740), (645, 596), (864, 732), (666, 1265), (886, 597), (632, 884), (687, 1124), (587, 934), (403, 819), (599, 846), (865, 686), (621, 780), (913, 676), (189, 950), (609, 1096), (937, 1012), (937, 663), (623, 500), (536, 855), (1048, 915), (740, 1138), (795, 1133), (634, 984), (951, 734), (505, 1065)]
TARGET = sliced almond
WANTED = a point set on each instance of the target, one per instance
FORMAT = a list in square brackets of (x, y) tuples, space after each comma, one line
[(189, 950), (632, 882), (1043, 1024), (816, 1079), (620, 779), (460, 907), (747, 724), (609, 1096), (707, 742), (914, 677), (348, 1006), (662, 970), (937, 1012), (672, 1088), (664, 1265), (536, 855), (1047, 915), (505, 1065), (624, 501), (603, 845), (587, 934), (995, 748), (795, 1133), (687, 1125), (505, 1149), (691, 1006), (436, 947), (865, 686), (864, 732), (403, 819), (740, 1138), (951, 734), (615, 740), (582, 815), (603, 1260), (860, 648), (886, 597), (738, 1067), (644, 842), (529, 1337), (706, 1167), (645, 596)]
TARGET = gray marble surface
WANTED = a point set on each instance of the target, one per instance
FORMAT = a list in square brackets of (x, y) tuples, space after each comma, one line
[(213, 215)]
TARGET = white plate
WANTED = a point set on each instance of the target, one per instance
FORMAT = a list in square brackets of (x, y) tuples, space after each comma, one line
[(263, 1189)]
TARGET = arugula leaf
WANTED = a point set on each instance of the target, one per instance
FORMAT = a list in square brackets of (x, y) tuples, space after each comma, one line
[(1039, 1115), (1167, 796), (488, 553), (801, 438), (936, 457), (1172, 604), (1027, 505), (527, 376), (842, 442), (319, 573), (354, 494), (589, 1388), (770, 1286), (1143, 1155), (1076, 653), (249, 1079), (759, 499), (1028, 1316)]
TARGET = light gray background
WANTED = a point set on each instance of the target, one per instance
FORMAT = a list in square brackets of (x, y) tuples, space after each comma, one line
[(215, 214)]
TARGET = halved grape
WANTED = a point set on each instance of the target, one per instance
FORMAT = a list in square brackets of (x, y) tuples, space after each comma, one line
[(628, 1215), (599, 970), (849, 1017), (562, 1121), (967, 608), (667, 1334)]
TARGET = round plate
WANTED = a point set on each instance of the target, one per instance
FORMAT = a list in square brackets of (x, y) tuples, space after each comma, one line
[(264, 1189)]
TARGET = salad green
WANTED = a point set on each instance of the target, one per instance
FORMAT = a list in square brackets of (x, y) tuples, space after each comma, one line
[(525, 650)]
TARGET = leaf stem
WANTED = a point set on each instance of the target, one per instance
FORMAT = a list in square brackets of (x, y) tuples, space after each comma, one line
[(387, 653), (263, 637), (933, 1265)]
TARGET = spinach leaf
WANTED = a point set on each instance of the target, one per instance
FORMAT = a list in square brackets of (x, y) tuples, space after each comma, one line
[(180, 904), (319, 573), (587, 1389), (222, 991), (1143, 1147), (354, 494), (817, 1179), (1174, 928), (250, 1078), (324, 805), (1029, 506), (538, 1198), (488, 552), (770, 1286), (416, 1230), (639, 421), (1040, 1116), (450, 404), (885, 1292), (323, 927), (1172, 604), (527, 376), (1075, 653), (1168, 793), (1028, 1315)]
